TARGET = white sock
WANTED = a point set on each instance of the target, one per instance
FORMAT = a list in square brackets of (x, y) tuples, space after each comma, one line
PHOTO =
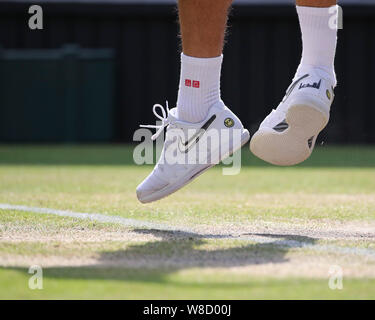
[(199, 87), (318, 38)]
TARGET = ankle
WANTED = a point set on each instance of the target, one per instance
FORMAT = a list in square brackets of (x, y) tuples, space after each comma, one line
[(326, 72)]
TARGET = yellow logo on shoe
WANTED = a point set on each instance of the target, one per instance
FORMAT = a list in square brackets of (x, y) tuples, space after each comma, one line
[(328, 94), (229, 122)]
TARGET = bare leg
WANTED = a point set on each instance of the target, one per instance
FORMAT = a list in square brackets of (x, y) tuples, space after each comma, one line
[(316, 3), (203, 24)]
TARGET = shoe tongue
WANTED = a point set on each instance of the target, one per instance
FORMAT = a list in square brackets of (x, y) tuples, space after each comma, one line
[(172, 115), (173, 120)]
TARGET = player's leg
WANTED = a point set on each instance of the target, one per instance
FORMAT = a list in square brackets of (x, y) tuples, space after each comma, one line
[(203, 25), (287, 136), (199, 105)]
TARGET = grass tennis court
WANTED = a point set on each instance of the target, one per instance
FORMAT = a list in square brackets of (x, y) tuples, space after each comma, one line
[(266, 233)]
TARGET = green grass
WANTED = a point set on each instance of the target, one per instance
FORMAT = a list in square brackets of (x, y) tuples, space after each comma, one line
[(117, 283), (324, 156), (335, 187)]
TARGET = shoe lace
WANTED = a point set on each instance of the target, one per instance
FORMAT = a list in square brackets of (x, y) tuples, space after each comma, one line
[(163, 117)]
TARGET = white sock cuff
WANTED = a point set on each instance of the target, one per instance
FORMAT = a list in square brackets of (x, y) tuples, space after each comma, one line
[(315, 11), (316, 18), (214, 62)]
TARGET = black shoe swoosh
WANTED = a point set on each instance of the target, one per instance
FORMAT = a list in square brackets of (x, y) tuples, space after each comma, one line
[(293, 85), (184, 147)]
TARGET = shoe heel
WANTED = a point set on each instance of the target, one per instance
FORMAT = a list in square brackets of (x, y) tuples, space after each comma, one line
[(306, 119)]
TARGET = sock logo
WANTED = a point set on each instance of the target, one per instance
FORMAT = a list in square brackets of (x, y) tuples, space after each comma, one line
[(193, 83)]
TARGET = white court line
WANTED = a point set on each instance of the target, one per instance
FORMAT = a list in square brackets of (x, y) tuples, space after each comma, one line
[(134, 223), (89, 216)]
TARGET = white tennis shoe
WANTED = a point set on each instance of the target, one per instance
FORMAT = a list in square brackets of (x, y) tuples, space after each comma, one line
[(190, 149), (288, 134)]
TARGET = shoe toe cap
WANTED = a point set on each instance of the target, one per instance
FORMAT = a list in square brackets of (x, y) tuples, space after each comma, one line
[(148, 187)]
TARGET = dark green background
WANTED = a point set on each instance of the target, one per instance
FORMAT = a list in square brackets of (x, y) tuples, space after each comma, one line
[(106, 98)]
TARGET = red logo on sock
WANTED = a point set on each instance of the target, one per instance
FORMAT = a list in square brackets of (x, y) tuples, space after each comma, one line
[(196, 84), (188, 83)]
